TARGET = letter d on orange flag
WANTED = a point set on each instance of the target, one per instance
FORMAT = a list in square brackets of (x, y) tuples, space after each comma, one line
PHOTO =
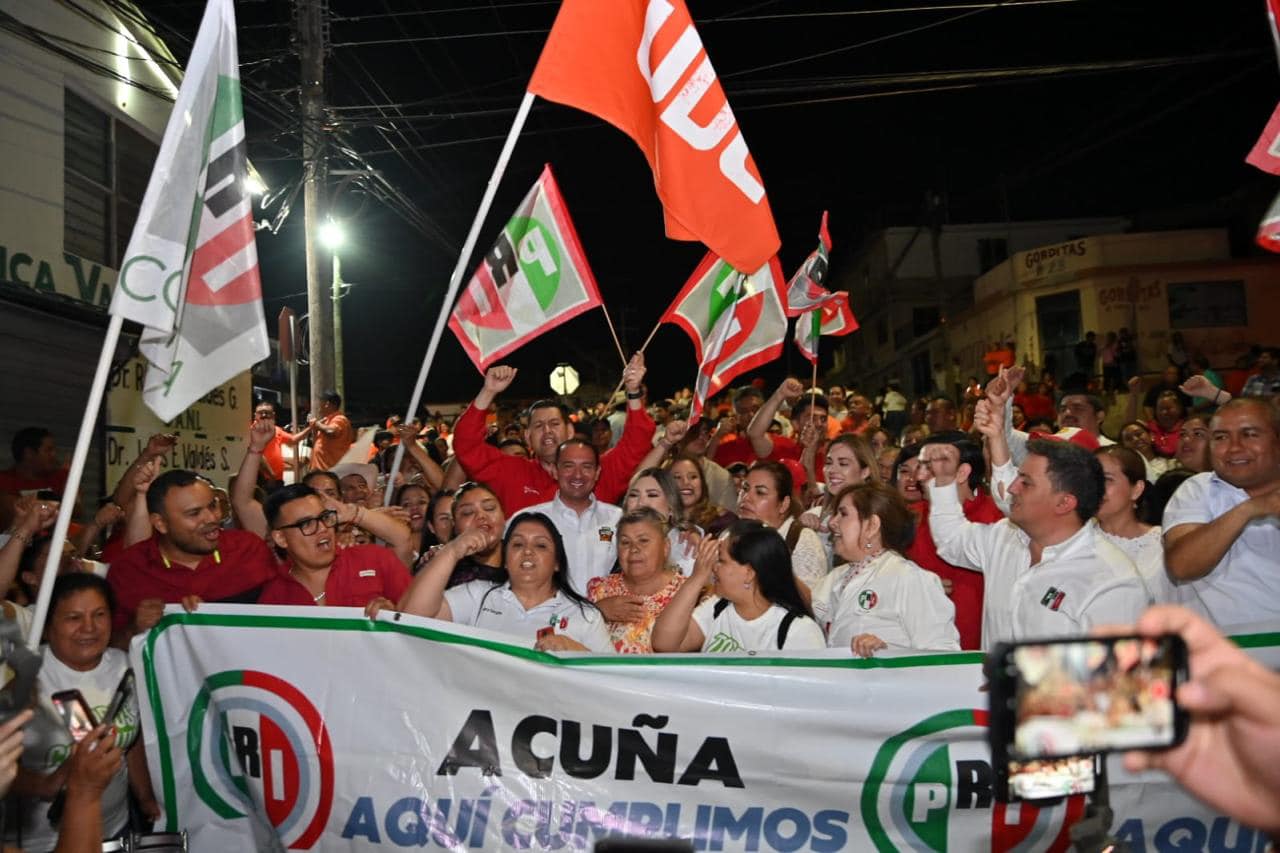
[(640, 65)]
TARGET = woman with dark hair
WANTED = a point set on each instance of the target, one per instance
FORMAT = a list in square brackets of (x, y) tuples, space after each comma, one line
[(656, 489), (698, 508), (1136, 436), (757, 604), (769, 497), (1119, 518), (632, 598), (77, 657), (879, 599), (414, 499), (535, 603), (474, 507)]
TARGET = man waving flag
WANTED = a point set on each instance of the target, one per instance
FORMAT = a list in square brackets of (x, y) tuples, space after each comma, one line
[(190, 273), (640, 65), (737, 322), (820, 312)]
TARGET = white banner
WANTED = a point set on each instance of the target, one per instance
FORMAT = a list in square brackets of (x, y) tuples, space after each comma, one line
[(272, 728)]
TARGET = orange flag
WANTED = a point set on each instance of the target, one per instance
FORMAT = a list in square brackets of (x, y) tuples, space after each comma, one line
[(640, 65)]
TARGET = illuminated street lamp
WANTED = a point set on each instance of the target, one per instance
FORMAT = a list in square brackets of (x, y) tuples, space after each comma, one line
[(332, 237)]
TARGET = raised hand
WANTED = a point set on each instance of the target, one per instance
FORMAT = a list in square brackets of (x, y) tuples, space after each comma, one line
[(676, 431), (1200, 387), (499, 378), (260, 434), (145, 474), (633, 374), (159, 444), (791, 389), (988, 418)]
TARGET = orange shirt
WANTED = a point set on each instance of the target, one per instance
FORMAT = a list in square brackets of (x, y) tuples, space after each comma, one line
[(273, 454), (329, 449)]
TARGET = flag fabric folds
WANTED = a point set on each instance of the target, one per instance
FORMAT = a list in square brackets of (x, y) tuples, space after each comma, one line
[(190, 273), (820, 312), (737, 322), (640, 65), (533, 279), (1266, 151)]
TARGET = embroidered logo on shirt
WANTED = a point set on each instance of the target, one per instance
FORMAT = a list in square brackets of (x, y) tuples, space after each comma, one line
[(606, 534), (1052, 598), (368, 573), (867, 599), (722, 642)]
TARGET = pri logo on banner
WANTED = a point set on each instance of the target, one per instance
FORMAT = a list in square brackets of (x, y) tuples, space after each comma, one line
[(256, 743), (928, 790)]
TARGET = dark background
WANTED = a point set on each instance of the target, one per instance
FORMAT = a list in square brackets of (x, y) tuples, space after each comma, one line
[(862, 107)]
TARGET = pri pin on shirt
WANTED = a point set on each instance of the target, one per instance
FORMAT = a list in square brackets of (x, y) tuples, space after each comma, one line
[(496, 608)]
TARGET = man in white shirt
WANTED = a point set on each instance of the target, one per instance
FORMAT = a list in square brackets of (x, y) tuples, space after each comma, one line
[(1049, 572), (1222, 527), (586, 525)]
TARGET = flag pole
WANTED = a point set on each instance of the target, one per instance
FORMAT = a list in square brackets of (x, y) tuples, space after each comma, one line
[(455, 280), (74, 475), (621, 353)]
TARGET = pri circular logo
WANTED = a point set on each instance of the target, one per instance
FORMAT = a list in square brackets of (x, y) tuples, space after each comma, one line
[(256, 743), (931, 787), (867, 599)]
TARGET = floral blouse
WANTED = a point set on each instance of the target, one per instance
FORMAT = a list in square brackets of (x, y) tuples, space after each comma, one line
[(634, 638)]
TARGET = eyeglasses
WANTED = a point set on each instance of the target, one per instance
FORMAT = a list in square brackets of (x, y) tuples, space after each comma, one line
[(307, 526)]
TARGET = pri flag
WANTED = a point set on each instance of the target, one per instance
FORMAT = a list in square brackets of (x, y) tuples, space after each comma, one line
[(1266, 151), (533, 279), (737, 322), (640, 65), (190, 274), (820, 312)]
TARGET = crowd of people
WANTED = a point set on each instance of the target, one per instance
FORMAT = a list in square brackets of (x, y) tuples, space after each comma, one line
[(804, 518)]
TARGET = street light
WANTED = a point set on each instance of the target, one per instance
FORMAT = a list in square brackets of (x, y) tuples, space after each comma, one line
[(332, 237)]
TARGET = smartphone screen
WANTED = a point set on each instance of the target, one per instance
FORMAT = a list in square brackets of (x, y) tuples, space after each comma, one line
[(1073, 697), (75, 713), (1046, 779)]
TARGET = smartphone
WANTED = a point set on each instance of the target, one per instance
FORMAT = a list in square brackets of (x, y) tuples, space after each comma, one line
[(75, 713), (1064, 698), (123, 691)]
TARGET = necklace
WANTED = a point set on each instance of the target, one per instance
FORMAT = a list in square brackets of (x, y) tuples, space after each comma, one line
[(316, 599)]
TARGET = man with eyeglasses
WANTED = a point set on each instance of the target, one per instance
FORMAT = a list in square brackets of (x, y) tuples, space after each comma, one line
[(190, 555), (316, 571)]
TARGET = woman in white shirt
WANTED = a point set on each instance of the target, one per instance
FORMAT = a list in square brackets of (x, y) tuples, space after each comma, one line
[(1126, 483), (656, 488), (768, 496), (879, 599), (756, 607), (536, 603)]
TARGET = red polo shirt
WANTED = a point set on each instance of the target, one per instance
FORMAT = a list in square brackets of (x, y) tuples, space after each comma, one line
[(520, 482), (359, 574), (966, 585), (233, 573)]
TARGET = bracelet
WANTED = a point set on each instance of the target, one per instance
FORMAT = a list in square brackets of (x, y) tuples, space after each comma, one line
[(635, 395), (355, 519), (24, 538), (249, 450)]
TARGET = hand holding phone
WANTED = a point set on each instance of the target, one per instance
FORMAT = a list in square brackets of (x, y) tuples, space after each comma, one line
[(75, 713)]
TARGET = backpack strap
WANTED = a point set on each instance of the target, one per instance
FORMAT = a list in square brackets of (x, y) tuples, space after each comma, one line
[(784, 626), (718, 607)]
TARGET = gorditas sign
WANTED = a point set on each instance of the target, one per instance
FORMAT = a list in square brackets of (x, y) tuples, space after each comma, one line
[(257, 742), (533, 279), (640, 65)]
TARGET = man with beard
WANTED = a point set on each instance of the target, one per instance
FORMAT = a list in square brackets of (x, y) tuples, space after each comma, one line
[(1221, 528), (190, 554), (587, 526)]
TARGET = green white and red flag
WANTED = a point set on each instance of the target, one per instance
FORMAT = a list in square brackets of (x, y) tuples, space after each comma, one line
[(533, 279), (819, 311), (190, 273), (737, 322)]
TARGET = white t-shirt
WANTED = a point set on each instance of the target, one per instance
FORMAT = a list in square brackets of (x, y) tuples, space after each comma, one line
[(729, 632), (496, 608), (97, 686), (891, 597), (1242, 586), (589, 538)]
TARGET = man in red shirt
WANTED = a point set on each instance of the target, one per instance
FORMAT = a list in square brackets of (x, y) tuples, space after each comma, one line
[(36, 467), (273, 453), (519, 482), (189, 555), (808, 409), (964, 587), (333, 433), (736, 447), (316, 571)]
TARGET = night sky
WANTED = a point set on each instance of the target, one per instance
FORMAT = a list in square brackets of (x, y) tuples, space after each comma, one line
[(1027, 110)]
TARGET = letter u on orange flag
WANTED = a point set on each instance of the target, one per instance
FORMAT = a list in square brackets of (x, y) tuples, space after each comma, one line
[(640, 65)]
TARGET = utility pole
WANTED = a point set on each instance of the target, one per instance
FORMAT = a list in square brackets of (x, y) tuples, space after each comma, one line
[(339, 380), (312, 23)]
